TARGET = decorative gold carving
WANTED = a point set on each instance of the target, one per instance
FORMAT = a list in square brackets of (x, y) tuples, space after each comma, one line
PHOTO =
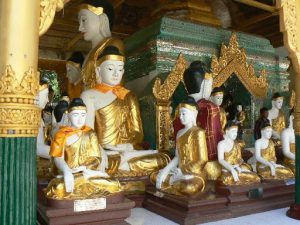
[(163, 93), (289, 26), (233, 60), (47, 13), (19, 116)]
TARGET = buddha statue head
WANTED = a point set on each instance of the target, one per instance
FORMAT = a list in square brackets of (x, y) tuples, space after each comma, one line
[(60, 109), (198, 81), (96, 18), (217, 95), (109, 66), (65, 97), (277, 100), (77, 113), (188, 111), (43, 97), (264, 112), (231, 130), (73, 67), (266, 130), (239, 108)]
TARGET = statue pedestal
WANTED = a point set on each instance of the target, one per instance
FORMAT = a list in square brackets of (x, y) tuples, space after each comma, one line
[(187, 210), (64, 212), (249, 199)]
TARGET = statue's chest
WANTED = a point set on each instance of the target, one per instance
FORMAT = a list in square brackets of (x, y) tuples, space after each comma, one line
[(101, 100)]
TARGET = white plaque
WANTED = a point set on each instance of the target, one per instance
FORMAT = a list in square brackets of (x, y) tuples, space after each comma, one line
[(89, 204), (289, 182)]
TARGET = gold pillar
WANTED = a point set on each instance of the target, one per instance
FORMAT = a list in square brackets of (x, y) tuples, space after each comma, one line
[(19, 38), (289, 12)]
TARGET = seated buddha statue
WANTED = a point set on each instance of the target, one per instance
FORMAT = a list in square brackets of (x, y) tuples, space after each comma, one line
[(288, 145), (113, 111), (216, 97), (276, 117), (77, 157), (43, 158), (185, 174), (266, 159), (199, 84), (96, 19), (235, 171), (73, 68)]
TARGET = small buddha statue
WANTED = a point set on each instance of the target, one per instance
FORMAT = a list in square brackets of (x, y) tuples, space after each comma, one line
[(235, 171), (288, 144), (43, 158), (276, 117), (113, 111), (96, 19), (263, 118), (73, 68), (216, 97), (199, 84), (185, 174), (239, 119), (77, 156), (61, 116), (266, 159)]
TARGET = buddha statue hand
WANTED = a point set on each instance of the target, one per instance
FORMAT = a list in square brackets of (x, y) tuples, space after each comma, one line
[(163, 173), (272, 168), (94, 173), (79, 169), (69, 180), (276, 165), (104, 160), (234, 174)]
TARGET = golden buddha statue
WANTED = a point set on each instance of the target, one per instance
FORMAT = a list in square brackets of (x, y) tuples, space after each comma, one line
[(114, 113), (216, 97), (266, 158), (288, 145), (95, 22), (73, 68), (235, 171), (276, 117), (76, 154), (185, 174)]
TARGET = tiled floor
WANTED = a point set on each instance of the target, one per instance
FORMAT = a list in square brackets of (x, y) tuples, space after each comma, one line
[(140, 216)]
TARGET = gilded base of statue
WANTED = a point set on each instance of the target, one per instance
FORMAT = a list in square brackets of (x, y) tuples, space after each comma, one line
[(294, 211), (254, 198), (111, 210), (187, 210)]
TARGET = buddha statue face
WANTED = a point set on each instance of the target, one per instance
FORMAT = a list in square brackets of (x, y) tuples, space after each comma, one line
[(73, 73), (77, 118), (110, 72), (217, 99), (266, 132), (43, 98), (277, 103), (239, 108), (93, 26), (232, 132), (187, 116)]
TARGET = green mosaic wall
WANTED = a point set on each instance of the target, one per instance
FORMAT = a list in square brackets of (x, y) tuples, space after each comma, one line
[(155, 49)]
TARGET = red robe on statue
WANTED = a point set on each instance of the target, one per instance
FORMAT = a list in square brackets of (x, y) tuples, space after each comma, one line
[(208, 119)]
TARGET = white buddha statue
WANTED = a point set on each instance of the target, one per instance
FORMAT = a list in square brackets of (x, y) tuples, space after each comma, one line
[(267, 166), (288, 144), (185, 174), (216, 97), (96, 18), (73, 68), (77, 156), (276, 116), (235, 171), (113, 111)]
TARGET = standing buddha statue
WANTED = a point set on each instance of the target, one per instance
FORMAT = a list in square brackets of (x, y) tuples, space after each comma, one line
[(235, 171), (113, 111), (267, 166), (77, 157), (96, 19), (185, 174), (216, 97)]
